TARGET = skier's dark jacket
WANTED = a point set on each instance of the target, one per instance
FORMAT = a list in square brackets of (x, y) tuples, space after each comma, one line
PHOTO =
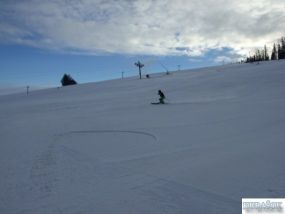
[(161, 94)]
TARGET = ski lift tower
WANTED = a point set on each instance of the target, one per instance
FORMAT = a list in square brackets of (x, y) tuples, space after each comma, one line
[(140, 65)]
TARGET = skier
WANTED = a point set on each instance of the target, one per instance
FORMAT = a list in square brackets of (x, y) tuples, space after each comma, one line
[(162, 97)]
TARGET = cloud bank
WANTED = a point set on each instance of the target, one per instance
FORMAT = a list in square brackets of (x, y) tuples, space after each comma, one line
[(151, 27)]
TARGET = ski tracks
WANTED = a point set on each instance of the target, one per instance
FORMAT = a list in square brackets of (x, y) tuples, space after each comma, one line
[(43, 173), (116, 131)]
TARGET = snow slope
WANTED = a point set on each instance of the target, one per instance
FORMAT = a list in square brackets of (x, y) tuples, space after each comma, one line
[(102, 148)]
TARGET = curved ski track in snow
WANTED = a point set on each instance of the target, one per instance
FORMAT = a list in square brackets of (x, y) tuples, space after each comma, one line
[(114, 131)]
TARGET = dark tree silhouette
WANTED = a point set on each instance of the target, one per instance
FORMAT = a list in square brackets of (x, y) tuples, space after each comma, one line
[(274, 53), (282, 48), (265, 54), (67, 80), (280, 54)]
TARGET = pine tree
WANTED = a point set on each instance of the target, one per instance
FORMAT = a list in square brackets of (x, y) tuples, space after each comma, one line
[(258, 56), (262, 55), (67, 80), (279, 52), (265, 56), (282, 48), (274, 53)]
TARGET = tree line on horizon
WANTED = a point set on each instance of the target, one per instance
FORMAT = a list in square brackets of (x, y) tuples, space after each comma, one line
[(278, 52)]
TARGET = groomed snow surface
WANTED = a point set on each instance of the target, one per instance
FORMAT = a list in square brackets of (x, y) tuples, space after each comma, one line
[(103, 148)]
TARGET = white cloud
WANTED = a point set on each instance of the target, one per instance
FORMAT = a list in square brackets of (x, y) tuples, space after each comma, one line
[(223, 59), (156, 27)]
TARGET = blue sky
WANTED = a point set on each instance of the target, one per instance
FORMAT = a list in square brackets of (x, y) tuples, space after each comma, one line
[(94, 40), (23, 66)]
